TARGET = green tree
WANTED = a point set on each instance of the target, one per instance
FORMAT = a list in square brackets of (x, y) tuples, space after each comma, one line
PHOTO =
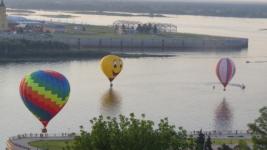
[(259, 130), (155, 29), (130, 133), (200, 141), (208, 145), (242, 145), (224, 147), (139, 28)]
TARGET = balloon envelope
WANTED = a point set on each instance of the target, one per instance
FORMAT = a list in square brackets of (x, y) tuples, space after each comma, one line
[(111, 66), (44, 93), (225, 70)]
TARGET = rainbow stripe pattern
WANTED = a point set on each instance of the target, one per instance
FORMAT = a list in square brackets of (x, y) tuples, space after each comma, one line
[(44, 93)]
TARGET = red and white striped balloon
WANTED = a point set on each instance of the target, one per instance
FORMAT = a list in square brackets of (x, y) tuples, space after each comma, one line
[(225, 71)]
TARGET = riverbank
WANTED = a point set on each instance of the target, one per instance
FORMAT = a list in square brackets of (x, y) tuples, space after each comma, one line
[(105, 37), (90, 41), (79, 42), (61, 55)]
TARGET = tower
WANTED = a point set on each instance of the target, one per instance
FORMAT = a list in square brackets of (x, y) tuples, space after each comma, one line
[(3, 17)]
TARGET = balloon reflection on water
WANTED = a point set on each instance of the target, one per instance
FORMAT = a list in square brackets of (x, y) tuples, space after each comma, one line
[(110, 103), (223, 117)]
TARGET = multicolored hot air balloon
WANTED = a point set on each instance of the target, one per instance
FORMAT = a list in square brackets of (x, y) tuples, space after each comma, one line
[(225, 71), (111, 66), (44, 93)]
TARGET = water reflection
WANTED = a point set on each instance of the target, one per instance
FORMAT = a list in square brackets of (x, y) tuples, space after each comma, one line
[(223, 117), (110, 103)]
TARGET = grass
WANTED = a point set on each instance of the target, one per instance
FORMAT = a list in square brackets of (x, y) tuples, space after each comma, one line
[(229, 141), (51, 144), (92, 31), (60, 144)]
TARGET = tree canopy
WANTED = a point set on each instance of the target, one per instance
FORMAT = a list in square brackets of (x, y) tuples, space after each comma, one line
[(131, 133), (259, 130)]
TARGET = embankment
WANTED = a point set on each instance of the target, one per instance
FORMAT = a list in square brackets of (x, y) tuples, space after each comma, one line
[(175, 44), (27, 48)]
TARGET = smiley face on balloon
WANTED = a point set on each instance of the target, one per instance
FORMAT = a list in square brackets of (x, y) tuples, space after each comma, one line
[(111, 66)]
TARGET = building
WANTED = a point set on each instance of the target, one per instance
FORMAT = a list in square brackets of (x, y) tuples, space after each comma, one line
[(3, 17)]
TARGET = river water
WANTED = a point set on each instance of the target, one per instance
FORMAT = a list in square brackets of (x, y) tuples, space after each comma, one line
[(179, 88)]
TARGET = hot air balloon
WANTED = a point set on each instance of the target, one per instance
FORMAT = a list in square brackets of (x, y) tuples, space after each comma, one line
[(44, 93), (111, 66), (225, 71)]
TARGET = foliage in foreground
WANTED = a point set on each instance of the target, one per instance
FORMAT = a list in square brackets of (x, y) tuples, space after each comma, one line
[(259, 130), (130, 133), (241, 145)]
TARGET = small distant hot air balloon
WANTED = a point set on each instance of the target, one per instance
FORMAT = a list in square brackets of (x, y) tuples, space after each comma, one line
[(44, 93), (225, 71), (111, 66)]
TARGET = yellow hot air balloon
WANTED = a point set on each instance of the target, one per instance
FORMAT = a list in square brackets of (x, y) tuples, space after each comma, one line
[(111, 66)]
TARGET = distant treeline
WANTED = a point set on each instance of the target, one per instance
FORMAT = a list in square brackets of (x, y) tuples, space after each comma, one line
[(141, 28), (147, 28), (254, 10)]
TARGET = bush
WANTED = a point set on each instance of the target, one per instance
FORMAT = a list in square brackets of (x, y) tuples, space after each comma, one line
[(259, 130), (242, 145), (130, 133)]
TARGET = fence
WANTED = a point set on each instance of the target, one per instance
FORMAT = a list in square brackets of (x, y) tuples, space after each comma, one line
[(224, 134), (14, 144)]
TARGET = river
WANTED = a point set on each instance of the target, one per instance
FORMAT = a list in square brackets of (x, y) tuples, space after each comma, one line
[(179, 88)]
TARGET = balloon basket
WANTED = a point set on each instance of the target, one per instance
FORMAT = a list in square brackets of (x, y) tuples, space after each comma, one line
[(44, 130)]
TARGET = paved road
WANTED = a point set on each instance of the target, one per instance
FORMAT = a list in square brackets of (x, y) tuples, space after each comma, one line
[(20, 142)]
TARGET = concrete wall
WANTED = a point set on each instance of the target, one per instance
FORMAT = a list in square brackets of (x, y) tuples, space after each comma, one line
[(187, 43), (143, 44)]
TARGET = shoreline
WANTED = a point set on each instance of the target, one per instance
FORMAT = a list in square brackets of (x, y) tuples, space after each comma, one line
[(97, 41), (89, 55), (62, 42)]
